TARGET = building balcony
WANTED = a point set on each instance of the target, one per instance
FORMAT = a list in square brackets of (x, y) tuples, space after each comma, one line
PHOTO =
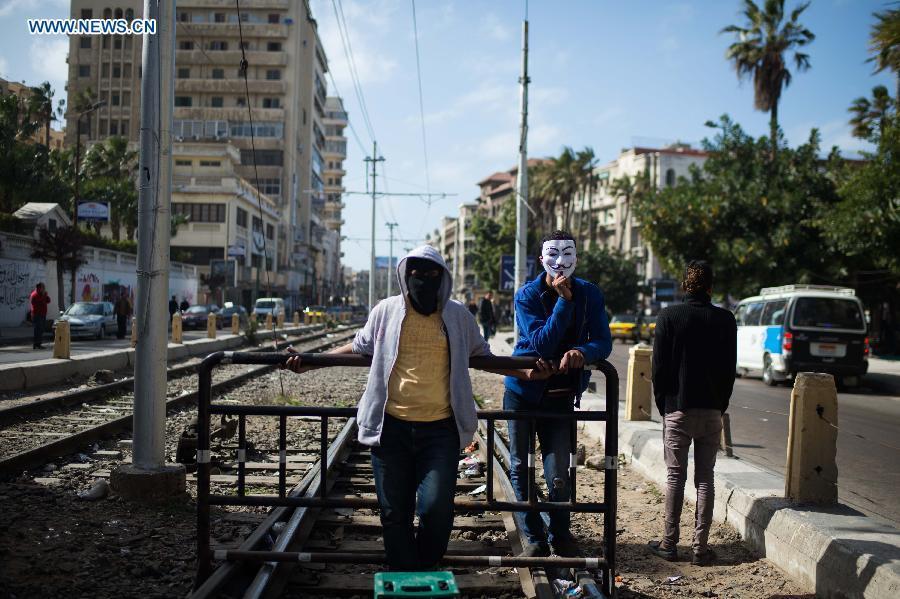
[(230, 86), (227, 59), (336, 117), (231, 30), (228, 4)]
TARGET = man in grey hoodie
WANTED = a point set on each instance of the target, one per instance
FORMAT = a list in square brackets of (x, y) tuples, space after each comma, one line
[(417, 410)]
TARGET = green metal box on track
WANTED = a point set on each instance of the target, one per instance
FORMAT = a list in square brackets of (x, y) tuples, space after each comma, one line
[(415, 584)]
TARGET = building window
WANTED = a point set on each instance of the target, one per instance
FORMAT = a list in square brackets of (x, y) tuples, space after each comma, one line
[(183, 101), (240, 101), (257, 224), (84, 70), (200, 213), (219, 17), (104, 70), (85, 41), (241, 218), (87, 13), (273, 74), (217, 102), (105, 42), (186, 45), (128, 40), (271, 103), (270, 231), (126, 98), (274, 18), (218, 73), (670, 177), (184, 17), (184, 73), (123, 129), (113, 128), (210, 163), (182, 163), (114, 99), (218, 45), (126, 71), (270, 187), (117, 42), (263, 157), (273, 46), (129, 15)]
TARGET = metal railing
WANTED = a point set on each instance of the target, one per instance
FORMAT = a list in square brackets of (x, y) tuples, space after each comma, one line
[(320, 499)]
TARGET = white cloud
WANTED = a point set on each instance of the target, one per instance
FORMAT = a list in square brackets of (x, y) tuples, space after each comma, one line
[(47, 57), (495, 29)]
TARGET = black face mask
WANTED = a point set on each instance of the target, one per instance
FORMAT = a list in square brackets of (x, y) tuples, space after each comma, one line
[(423, 293)]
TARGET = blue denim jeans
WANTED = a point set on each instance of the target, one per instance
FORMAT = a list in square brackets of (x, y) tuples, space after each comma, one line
[(556, 446), (415, 474)]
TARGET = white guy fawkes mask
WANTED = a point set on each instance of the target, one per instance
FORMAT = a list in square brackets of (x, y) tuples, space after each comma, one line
[(558, 257)]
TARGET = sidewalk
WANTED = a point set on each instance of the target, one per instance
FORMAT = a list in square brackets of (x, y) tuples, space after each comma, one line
[(835, 552), (17, 335)]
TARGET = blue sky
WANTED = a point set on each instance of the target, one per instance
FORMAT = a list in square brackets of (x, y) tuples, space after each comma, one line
[(604, 74)]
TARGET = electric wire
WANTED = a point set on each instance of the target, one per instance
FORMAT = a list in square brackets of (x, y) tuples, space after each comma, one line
[(421, 100), (244, 67), (351, 65), (337, 93)]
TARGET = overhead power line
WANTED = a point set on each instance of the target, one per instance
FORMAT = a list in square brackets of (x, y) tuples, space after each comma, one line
[(351, 65), (421, 101)]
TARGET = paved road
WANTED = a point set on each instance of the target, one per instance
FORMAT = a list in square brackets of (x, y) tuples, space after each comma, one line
[(23, 352), (868, 468)]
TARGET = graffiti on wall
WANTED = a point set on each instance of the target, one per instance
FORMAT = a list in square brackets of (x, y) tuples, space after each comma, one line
[(17, 280)]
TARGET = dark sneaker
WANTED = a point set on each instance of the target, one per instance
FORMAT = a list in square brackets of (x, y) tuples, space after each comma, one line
[(658, 550), (566, 547), (535, 550), (704, 558)]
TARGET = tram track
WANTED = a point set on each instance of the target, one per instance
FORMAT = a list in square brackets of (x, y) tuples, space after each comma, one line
[(77, 419)]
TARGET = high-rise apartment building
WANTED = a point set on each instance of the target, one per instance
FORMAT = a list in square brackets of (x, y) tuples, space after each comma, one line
[(287, 99)]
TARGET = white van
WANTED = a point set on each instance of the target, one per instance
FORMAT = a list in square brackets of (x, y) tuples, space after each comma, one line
[(802, 328), (268, 305)]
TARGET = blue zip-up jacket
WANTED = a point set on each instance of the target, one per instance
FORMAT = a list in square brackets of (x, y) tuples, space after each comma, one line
[(541, 336)]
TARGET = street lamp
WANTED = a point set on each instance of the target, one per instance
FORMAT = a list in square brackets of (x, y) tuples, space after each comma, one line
[(93, 108)]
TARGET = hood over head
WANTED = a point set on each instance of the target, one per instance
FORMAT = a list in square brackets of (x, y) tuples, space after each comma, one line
[(429, 253)]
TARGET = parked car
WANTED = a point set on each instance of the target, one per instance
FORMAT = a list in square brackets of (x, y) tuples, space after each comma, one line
[(196, 317), (802, 328), (89, 319), (622, 326), (648, 328), (230, 309), (268, 305)]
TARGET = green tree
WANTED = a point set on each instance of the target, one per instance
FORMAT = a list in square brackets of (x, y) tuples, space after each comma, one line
[(63, 246), (631, 190), (871, 114), (614, 273), (884, 42), (759, 54), (40, 105), (109, 169)]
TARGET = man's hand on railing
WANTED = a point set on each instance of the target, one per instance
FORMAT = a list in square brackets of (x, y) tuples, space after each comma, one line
[(293, 363), (571, 359), (542, 370)]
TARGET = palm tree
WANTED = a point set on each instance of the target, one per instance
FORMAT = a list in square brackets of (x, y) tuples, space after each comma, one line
[(40, 104), (759, 53), (884, 42), (586, 162), (555, 183), (869, 114), (630, 190), (110, 169)]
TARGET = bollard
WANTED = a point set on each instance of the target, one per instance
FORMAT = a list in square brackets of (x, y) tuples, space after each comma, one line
[(280, 320), (211, 326), (269, 321), (638, 391), (134, 331), (811, 470), (62, 340), (307, 318), (177, 328), (235, 324), (296, 319)]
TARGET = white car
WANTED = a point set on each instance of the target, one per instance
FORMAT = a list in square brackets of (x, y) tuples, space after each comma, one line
[(89, 319)]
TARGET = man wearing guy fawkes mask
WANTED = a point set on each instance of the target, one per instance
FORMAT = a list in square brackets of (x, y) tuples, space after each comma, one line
[(562, 319), (418, 411)]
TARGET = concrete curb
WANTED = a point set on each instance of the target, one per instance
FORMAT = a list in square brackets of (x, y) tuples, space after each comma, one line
[(834, 552), (27, 375)]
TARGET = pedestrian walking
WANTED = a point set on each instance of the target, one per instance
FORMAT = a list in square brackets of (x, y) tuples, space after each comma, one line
[(184, 305), (694, 353), (123, 311), (173, 307), (418, 411), (39, 300), (473, 309), (486, 315), (560, 318)]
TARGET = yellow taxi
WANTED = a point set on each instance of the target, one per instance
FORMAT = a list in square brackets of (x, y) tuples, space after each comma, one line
[(622, 326)]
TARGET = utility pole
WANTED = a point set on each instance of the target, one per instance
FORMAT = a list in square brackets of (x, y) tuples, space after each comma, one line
[(148, 475), (374, 159), (522, 179), (391, 259)]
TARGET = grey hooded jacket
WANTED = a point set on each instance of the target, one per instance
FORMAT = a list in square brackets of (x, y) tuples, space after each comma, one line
[(380, 338)]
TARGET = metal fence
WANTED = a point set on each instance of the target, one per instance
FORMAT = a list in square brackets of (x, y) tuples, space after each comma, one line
[(321, 499)]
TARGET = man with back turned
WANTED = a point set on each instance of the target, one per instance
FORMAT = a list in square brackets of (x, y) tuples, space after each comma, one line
[(694, 353)]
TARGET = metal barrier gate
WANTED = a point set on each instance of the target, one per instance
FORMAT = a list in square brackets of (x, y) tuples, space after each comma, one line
[(206, 408)]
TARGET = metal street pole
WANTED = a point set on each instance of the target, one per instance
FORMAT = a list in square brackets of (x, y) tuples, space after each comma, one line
[(155, 172), (374, 159), (391, 259), (522, 179)]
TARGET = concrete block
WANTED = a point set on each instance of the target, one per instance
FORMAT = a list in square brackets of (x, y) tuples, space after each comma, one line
[(12, 377), (211, 326), (137, 484), (88, 364), (235, 324), (638, 390), (269, 321), (47, 372), (177, 331), (177, 352), (811, 467), (62, 340), (296, 319), (280, 320), (307, 318)]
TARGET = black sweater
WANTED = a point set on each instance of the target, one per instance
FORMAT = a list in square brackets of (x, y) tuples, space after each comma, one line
[(694, 356)]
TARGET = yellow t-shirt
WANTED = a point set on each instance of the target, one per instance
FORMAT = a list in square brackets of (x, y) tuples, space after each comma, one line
[(419, 386)]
